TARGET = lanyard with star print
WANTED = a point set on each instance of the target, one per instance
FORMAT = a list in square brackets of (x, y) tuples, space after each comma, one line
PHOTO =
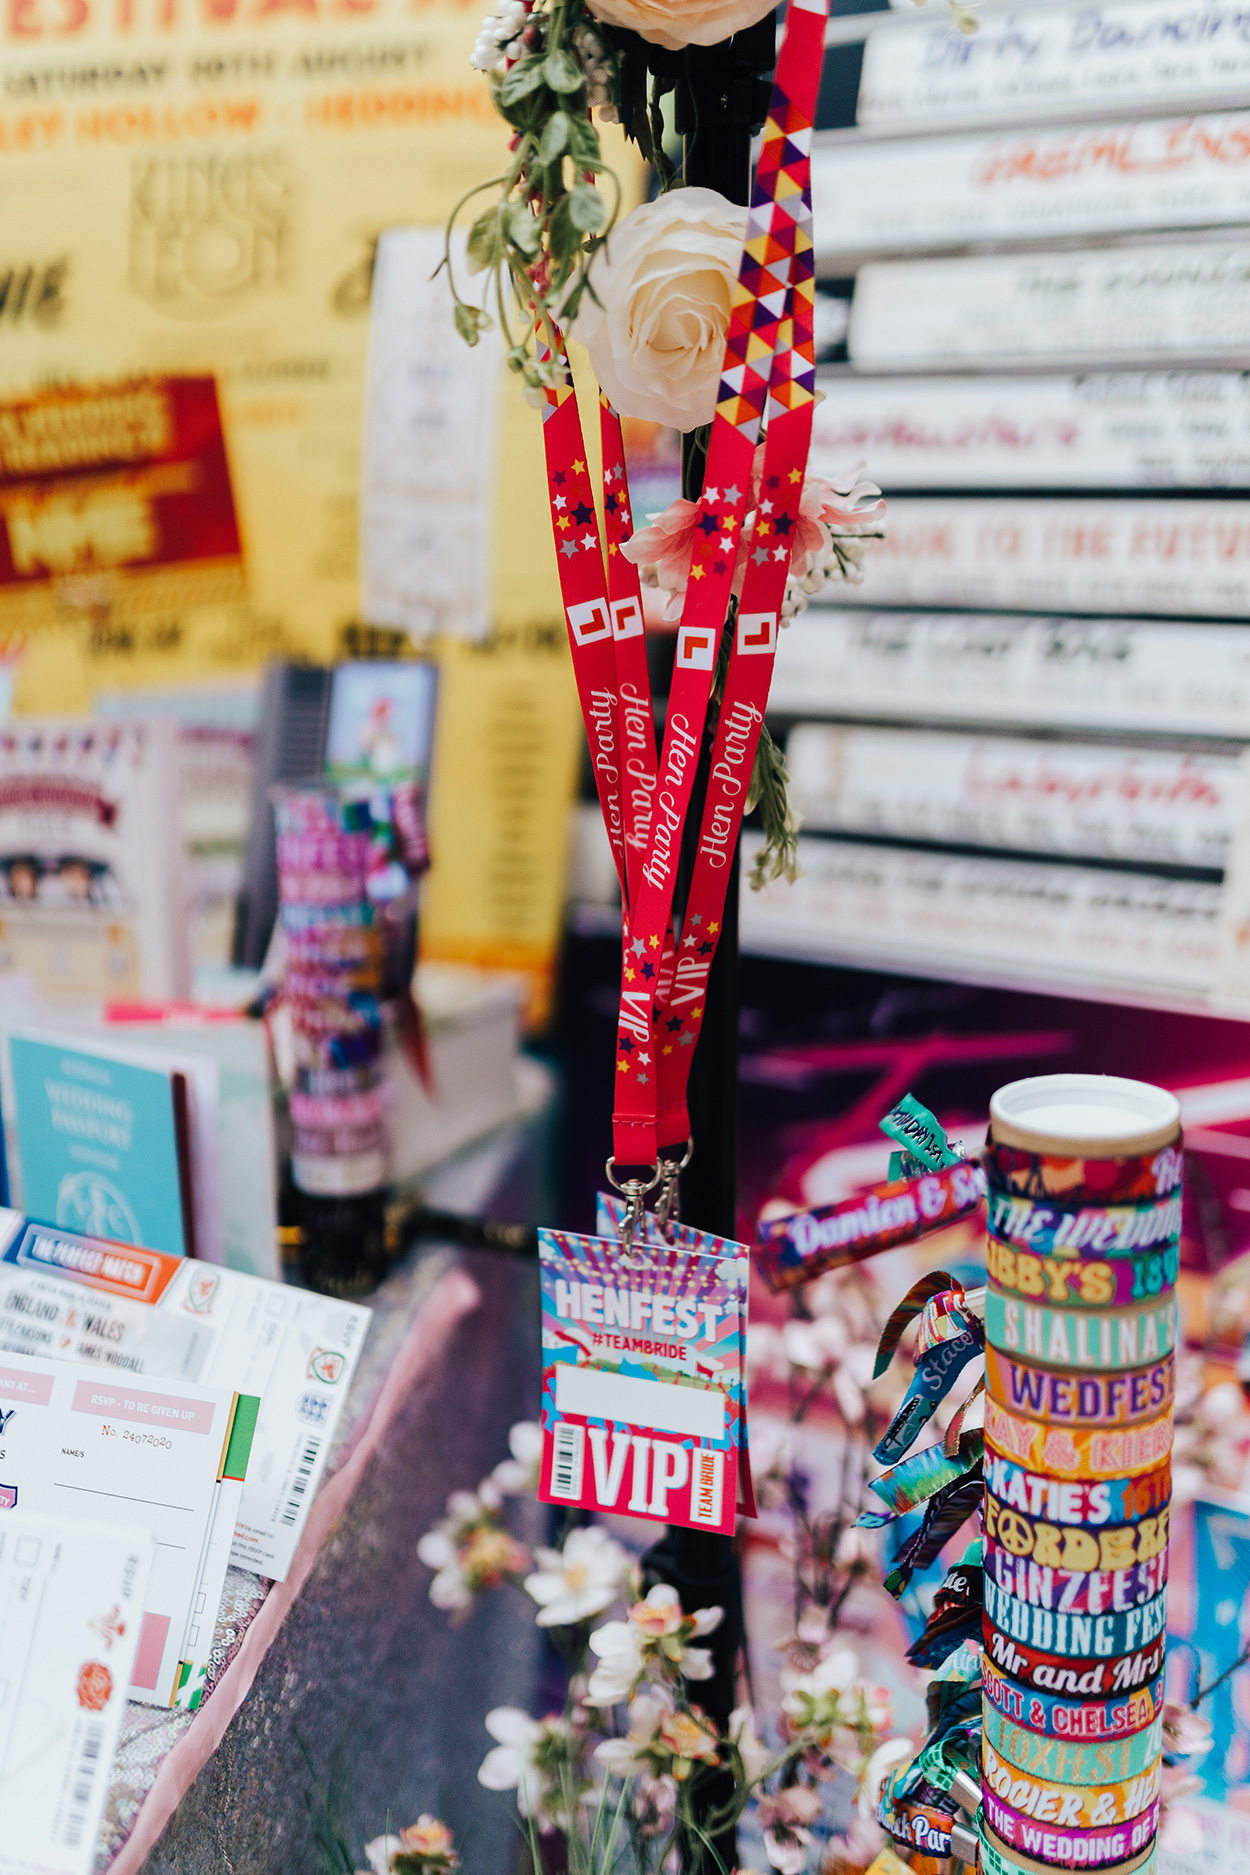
[(768, 371)]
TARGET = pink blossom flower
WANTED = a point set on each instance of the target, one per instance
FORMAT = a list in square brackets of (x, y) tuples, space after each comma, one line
[(784, 1819)]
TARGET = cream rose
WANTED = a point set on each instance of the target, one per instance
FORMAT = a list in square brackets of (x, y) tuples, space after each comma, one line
[(678, 23), (664, 281)]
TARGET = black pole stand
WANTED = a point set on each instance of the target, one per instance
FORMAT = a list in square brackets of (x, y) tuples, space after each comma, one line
[(722, 100)]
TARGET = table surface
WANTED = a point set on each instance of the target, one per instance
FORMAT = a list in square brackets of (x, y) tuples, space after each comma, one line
[(355, 1697)]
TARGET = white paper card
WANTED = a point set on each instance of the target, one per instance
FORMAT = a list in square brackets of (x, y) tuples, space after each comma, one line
[(182, 1321), (129, 1455), (71, 1608)]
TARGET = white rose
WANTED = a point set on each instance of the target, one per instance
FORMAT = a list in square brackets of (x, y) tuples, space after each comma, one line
[(665, 282), (678, 23)]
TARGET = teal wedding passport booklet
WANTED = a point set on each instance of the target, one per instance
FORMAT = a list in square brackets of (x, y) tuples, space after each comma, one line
[(97, 1143)]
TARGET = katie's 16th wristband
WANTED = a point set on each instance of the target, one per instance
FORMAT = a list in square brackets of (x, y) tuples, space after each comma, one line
[(1076, 1591), (1058, 1451), (1059, 1761), (1079, 1721), (1075, 1547), (1048, 1229), (1076, 1637), (1080, 1400), (996, 1858), (1078, 1501), (1038, 1671), (1074, 1282), (1073, 1339)]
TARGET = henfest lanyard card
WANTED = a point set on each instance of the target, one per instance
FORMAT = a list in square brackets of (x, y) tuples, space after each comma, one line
[(644, 1396)]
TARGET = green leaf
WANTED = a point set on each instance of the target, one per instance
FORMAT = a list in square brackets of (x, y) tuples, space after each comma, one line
[(556, 138), (524, 228), (562, 72), (469, 322), (584, 142), (587, 208), (563, 237), (485, 244), (521, 80)]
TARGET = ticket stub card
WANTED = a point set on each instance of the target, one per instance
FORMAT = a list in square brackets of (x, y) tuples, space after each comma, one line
[(643, 1390), (71, 1608), (158, 1457), (138, 1311)]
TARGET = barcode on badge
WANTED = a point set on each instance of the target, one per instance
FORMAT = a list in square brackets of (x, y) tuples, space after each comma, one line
[(299, 1483), (567, 1445), (82, 1783)]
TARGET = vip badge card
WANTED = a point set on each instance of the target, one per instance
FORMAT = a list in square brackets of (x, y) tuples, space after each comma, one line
[(158, 1457), (643, 1391), (134, 1311), (71, 1609)]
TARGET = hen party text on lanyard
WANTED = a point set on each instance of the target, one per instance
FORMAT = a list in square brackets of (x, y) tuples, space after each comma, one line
[(768, 373)]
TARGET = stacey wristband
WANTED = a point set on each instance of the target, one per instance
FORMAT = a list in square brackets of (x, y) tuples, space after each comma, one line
[(1060, 1761), (1080, 1400), (1057, 1451), (1115, 1341), (1075, 1637), (1080, 1721)]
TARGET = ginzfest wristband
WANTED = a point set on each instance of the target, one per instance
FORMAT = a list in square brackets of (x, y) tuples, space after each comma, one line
[(1058, 1451), (1077, 1501), (1082, 1721), (1060, 1761), (936, 1373), (795, 1249), (1075, 1637), (1049, 1229), (1084, 1399), (1076, 1591), (1042, 1672), (1112, 1342), (1094, 1181), (1086, 1848), (997, 1859), (1075, 1547), (1083, 1282)]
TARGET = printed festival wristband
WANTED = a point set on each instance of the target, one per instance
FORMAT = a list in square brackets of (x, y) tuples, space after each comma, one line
[(1075, 1637), (1091, 1181), (1075, 1547), (1084, 1399), (997, 1859), (1070, 1806), (1069, 1338), (1042, 1672), (1082, 1282), (936, 1373), (795, 1249), (1081, 1721), (1057, 1451), (1110, 1501), (1087, 1848), (1076, 1591), (1050, 1229), (920, 1474), (1059, 1761)]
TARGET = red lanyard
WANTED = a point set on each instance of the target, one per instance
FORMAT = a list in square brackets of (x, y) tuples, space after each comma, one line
[(768, 377)]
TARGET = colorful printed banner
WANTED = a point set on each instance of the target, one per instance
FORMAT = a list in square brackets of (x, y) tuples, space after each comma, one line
[(1076, 1636), (1048, 1228), (1075, 1546), (793, 1250), (1048, 1716), (1082, 1592), (1067, 1501), (1084, 1400), (1038, 1670), (1061, 1761), (643, 1391), (1115, 1340)]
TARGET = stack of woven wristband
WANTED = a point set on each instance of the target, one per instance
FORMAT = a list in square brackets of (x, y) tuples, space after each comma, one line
[(1084, 1175), (330, 986)]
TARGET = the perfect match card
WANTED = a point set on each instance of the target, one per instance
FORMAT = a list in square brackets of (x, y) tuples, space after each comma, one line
[(134, 1311), (71, 1612), (644, 1402)]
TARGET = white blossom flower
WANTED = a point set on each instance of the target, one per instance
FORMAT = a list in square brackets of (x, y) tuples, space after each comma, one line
[(624, 1757), (655, 1804), (514, 1764), (656, 1634), (751, 1748), (892, 1752), (580, 1580), (784, 1819), (619, 1647), (518, 1475)]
